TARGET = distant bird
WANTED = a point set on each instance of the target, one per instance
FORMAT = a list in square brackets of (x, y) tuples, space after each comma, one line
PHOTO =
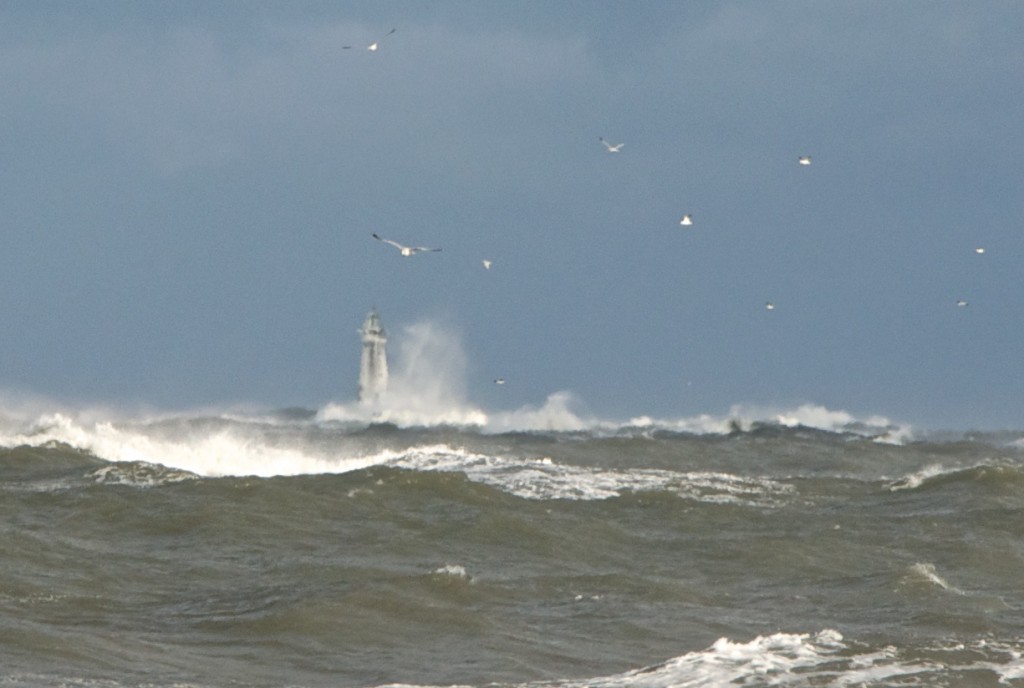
[(487, 264), (405, 250), (804, 160), (961, 303), (769, 306), (610, 147), (979, 250), (376, 44), (686, 221), (499, 381), (373, 46)]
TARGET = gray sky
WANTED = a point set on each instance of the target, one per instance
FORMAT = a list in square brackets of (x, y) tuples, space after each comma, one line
[(189, 191)]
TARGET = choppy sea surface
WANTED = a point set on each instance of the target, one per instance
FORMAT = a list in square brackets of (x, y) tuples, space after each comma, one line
[(315, 548)]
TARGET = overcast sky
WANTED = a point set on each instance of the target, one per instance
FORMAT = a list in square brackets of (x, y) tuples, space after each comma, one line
[(189, 191)]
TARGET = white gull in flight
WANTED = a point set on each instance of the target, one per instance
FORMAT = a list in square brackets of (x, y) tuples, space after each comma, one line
[(376, 44), (686, 221), (804, 160), (373, 46), (611, 148), (405, 250)]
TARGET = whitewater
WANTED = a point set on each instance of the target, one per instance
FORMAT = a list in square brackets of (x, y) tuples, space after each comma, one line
[(294, 441), (364, 547)]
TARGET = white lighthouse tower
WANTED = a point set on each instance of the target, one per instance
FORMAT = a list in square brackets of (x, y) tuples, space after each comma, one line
[(373, 366)]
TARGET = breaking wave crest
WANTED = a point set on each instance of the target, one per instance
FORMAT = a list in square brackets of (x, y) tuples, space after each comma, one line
[(560, 413), (506, 450), (1002, 476), (141, 457), (805, 659)]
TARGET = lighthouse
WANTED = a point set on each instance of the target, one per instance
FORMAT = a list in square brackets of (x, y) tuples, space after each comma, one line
[(373, 366)]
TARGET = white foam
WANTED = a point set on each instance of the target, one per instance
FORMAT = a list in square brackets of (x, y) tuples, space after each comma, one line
[(453, 572), (788, 659), (779, 659), (1012, 668), (242, 450), (413, 410), (559, 413), (822, 418), (543, 479), (745, 418), (139, 475), (415, 415), (216, 452)]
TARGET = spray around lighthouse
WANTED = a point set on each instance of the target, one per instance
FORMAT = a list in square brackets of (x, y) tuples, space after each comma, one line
[(424, 384)]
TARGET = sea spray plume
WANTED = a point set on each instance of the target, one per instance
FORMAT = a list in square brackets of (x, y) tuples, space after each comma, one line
[(555, 415), (429, 381), (426, 384), (24, 412)]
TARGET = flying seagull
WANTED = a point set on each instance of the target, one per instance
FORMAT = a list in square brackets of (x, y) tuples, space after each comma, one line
[(686, 221), (961, 303), (769, 306), (804, 160), (376, 44), (610, 147), (405, 250), (979, 250), (499, 381), (487, 264), (373, 46)]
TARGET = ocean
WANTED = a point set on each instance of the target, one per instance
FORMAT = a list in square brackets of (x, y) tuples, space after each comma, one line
[(316, 548)]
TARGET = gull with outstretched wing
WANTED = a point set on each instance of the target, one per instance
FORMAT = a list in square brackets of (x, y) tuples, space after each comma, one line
[(373, 47), (405, 250)]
